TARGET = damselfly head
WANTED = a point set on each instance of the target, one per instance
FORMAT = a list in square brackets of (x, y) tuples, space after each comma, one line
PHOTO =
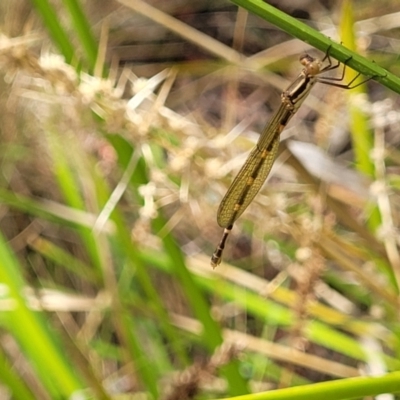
[(312, 65)]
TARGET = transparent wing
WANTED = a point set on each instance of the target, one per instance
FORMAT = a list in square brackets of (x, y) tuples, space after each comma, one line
[(247, 182)]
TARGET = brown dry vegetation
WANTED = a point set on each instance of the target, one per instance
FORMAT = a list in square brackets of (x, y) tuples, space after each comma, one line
[(111, 176)]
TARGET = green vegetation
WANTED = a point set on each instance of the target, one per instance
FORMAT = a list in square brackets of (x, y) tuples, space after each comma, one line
[(112, 171)]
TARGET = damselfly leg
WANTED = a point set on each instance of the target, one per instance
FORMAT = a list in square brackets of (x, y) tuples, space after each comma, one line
[(331, 80)]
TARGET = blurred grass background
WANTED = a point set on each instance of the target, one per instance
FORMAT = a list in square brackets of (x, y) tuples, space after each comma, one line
[(123, 124)]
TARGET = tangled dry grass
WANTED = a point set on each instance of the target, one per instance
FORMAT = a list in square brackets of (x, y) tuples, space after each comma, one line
[(148, 148)]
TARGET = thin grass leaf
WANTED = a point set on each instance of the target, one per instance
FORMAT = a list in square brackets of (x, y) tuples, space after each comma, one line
[(57, 32), (64, 259), (336, 390), (12, 381), (31, 331), (84, 32), (316, 39), (361, 133), (70, 186), (280, 316), (277, 315), (205, 41)]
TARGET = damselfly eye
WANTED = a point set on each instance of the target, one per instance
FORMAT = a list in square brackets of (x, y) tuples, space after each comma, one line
[(314, 68), (306, 59), (312, 65)]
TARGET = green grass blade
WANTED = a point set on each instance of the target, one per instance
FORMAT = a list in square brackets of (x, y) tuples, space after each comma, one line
[(316, 39), (212, 334), (64, 259), (13, 382), (361, 133), (71, 187), (82, 28), (352, 388), (278, 315), (32, 333), (57, 32)]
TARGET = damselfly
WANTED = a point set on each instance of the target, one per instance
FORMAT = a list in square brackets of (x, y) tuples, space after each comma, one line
[(258, 165)]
